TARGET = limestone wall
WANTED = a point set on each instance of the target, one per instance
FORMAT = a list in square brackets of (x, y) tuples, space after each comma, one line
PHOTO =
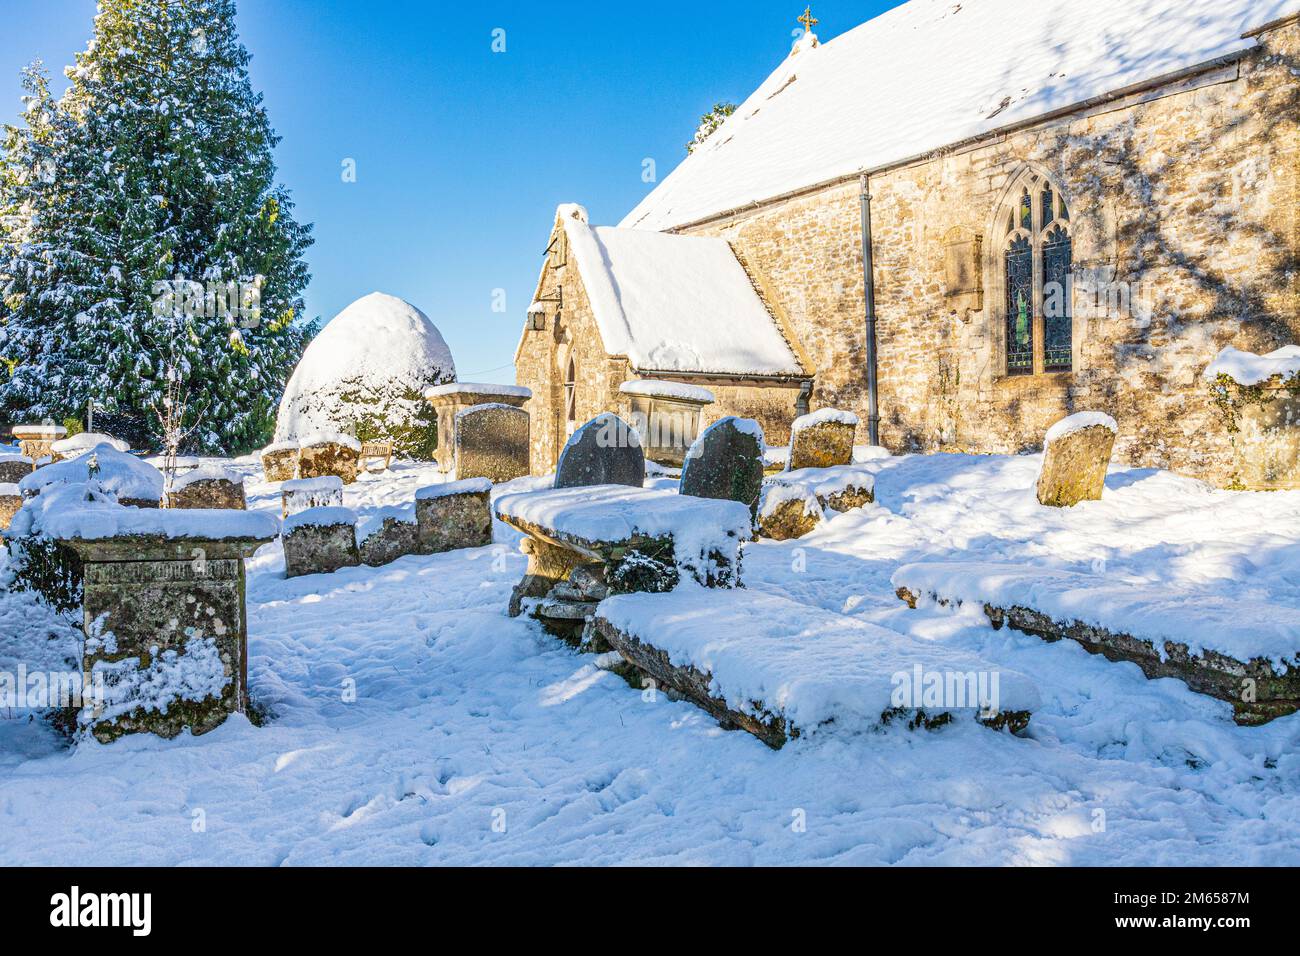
[(1188, 196)]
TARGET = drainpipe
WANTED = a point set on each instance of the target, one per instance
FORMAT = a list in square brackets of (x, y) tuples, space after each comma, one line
[(869, 288)]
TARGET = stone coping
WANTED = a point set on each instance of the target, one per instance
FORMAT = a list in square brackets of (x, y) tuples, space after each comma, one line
[(144, 548), (469, 393)]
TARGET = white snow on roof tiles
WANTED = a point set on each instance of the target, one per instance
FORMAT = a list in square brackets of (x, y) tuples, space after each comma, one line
[(675, 303), (931, 73)]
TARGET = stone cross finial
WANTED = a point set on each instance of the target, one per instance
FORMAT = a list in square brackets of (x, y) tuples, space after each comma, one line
[(808, 20)]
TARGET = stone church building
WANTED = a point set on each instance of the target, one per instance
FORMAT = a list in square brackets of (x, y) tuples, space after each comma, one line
[(1013, 211)]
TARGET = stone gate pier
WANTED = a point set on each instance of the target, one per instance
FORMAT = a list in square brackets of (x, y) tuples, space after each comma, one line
[(166, 622)]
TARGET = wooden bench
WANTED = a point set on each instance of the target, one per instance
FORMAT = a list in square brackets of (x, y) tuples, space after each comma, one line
[(626, 540), (376, 449), (781, 670)]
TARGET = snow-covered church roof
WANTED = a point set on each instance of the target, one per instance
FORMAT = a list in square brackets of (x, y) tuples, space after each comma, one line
[(932, 73), (675, 303)]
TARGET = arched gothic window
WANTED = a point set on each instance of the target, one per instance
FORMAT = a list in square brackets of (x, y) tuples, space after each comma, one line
[(571, 393), (1037, 261)]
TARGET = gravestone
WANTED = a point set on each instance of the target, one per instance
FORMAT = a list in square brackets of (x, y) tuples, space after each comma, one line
[(389, 534), (454, 516), (303, 494), (492, 443), (280, 462), (320, 541), (208, 489), (605, 451), (1076, 455), (337, 455), (14, 468), (823, 439), (451, 399), (166, 622), (726, 462), (11, 501)]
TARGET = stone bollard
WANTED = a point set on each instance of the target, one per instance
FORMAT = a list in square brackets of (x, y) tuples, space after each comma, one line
[(165, 616), (823, 439), (492, 442), (280, 461), (207, 489), (302, 494), (320, 541), (324, 455), (1076, 454), (454, 516), (387, 535)]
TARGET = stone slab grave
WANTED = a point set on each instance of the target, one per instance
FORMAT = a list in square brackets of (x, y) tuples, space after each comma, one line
[(452, 399), (301, 494), (794, 503), (1244, 652), (782, 670), (583, 543), (124, 478), (492, 441), (604, 451), (163, 601), (280, 461), (823, 439), (14, 468), (388, 534), (320, 541), (208, 488), (726, 463), (323, 455), (1076, 455), (454, 516), (667, 417), (34, 441)]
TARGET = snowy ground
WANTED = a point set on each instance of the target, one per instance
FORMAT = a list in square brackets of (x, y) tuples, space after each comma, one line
[(479, 739)]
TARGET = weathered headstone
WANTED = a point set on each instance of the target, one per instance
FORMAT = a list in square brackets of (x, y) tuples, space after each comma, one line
[(823, 439), (726, 462), (280, 461), (208, 489), (165, 618), (492, 443), (794, 503), (1076, 455), (14, 468), (324, 455), (387, 535), (605, 451), (320, 541), (454, 516), (452, 399), (303, 494)]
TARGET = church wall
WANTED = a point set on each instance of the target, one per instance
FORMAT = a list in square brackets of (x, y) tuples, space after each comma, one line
[(1189, 200)]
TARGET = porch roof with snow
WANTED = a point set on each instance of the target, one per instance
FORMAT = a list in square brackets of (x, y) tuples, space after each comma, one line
[(934, 73), (676, 304)]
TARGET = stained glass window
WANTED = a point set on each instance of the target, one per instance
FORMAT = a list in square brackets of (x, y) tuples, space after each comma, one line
[(1049, 202), (1020, 309), (1057, 320), (1026, 212)]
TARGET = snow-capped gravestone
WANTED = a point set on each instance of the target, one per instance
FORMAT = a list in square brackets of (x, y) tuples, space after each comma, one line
[(303, 494), (605, 451), (320, 541), (492, 442), (11, 500), (208, 488), (1258, 398), (726, 462), (124, 478), (325, 455), (454, 516), (14, 468), (823, 439), (1076, 454), (163, 607), (280, 461), (387, 535), (450, 400), (365, 374), (794, 503)]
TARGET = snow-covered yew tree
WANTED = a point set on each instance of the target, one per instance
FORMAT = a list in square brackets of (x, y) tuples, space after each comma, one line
[(144, 240)]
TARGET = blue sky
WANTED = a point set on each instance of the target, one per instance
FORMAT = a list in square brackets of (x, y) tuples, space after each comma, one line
[(461, 153)]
